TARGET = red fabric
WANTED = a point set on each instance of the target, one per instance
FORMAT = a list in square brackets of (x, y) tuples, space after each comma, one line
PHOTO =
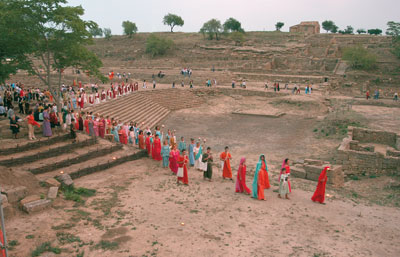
[(182, 161), (86, 124), (261, 184), (148, 145), (227, 172), (102, 128), (173, 160), (156, 150), (141, 142), (319, 194), (81, 102), (123, 137), (287, 172), (265, 176), (241, 180), (2, 252), (31, 120)]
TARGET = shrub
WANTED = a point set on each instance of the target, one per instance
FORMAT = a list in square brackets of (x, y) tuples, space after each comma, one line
[(156, 45), (237, 37), (360, 58)]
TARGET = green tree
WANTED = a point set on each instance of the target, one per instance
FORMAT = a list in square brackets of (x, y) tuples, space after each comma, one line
[(329, 26), (231, 25), (96, 31), (107, 33), (361, 31), (375, 31), (237, 37), (15, 38), (212, 28), (58, 38), (279, 26), (393, 29), (156, 45), (173, 20), (130, 28), (348, 30), (359, 58)]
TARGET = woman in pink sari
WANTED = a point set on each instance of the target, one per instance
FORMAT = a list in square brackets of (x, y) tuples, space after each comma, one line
[(173, 160), (241, 178), (96, 126)]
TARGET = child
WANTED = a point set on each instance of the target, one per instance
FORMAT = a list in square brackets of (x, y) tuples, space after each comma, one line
[(283, 184), (182, 170)]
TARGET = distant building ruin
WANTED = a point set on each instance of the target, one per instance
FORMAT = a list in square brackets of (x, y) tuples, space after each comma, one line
[(307, 27)]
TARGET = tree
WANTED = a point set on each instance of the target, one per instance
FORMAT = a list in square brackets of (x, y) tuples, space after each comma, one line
[(213, 28), (279, 25), (231, 25), (375, 31), (57, 40), (130, 28), (393, 29), (237, 37), (107, 33), (349, 30), (361, 31), (96, 31), (12, 53), (329, 26), (359, 58), (173, 20), (157, 45)]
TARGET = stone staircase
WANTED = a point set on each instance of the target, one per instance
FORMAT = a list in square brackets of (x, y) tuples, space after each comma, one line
[(147, 106)]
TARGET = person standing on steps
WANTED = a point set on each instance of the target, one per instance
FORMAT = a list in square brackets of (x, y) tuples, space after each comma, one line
[(225, 158), (46, 123), (141, 140), (144, 84), (154, 84), (31, 123)]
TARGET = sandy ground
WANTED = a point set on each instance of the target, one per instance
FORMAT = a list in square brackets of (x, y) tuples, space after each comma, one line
[(151, 216)]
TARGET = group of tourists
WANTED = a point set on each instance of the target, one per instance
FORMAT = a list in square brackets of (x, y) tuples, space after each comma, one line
[(179, 156), (377, 95)]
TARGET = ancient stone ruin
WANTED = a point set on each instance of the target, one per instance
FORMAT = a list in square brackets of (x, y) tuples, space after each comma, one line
[(307, 27), (367, 151)]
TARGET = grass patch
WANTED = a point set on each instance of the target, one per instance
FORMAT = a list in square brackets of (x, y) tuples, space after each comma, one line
[(63, 226), (67, 238), (106, 204), (45, 247), (79, 215), (194, 211), (354, 177), (106, 245), (30, 237), (76, 194), (12, 244)]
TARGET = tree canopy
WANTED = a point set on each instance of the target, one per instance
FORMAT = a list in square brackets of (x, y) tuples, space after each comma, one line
[(348, 30), (173, 20), (329, 26), (96, 31), (129, 27), (361, 31), (232, 25), (279, 25), (56, 38), (393, 29), (212, 28), (107, 33), (156, 45), (375, 31)]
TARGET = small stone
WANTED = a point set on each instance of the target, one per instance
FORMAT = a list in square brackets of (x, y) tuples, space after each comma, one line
[(15, 194), (29, 199), (52, 194), (36, 206), (66, 179), (52, 182)]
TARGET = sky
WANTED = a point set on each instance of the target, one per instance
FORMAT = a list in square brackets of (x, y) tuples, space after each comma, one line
[(255, 15)]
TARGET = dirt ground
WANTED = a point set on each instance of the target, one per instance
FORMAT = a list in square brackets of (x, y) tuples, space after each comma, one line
[(139, 210)]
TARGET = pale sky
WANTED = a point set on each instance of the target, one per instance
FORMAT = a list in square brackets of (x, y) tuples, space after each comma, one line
[(255, 15)]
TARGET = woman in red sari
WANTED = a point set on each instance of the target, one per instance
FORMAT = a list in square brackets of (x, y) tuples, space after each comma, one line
[(123, 137), (173, 159), (182, 162), (241, 178), (102, 126), (156, 149), (86, 124), (319, 194), (141, 140)]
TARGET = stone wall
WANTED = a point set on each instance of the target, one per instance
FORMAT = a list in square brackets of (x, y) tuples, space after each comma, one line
[(375, 136), (357, 160)]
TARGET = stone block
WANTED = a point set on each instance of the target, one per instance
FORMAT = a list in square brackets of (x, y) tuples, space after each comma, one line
[(313, 162), (313, 169), (52, 182), (16, 193), (28, 199), (36, 206), (336, 176), (52, 194), (298, 172), (66, 180), (392, 153), (8, 210)]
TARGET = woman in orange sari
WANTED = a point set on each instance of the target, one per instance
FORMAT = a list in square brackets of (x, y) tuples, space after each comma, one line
[(319, 194), (241, 178), (261, 180)]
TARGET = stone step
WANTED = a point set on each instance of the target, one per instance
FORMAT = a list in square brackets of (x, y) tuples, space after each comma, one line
[(77, 156), (89, 163), (143, 114), (134, 106)]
